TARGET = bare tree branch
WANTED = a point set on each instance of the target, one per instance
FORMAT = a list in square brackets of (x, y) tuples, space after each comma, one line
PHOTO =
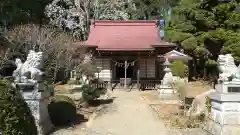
[(55, 45)]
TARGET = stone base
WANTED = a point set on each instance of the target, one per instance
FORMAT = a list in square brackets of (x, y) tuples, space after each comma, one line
[(225, 108), (215, 128), (166, 92), (39, 111), (225, 118), (225, 113), (46, 127), (37, 100)]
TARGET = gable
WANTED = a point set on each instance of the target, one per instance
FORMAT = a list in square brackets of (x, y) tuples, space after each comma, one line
[(175, 53)]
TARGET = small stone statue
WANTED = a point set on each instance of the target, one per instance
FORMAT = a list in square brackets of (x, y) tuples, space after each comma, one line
[(30, 70), (228, 71)]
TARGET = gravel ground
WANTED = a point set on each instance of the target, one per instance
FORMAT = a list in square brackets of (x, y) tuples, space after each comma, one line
[(127, 115)]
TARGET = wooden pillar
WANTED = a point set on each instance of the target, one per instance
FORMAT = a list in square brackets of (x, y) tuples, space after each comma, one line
[(138, 79), (157, 68), (110, 81), (125, 75)]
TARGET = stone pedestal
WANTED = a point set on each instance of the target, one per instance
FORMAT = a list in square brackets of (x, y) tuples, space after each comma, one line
[(166, 92), (37, 98), (225, 111)]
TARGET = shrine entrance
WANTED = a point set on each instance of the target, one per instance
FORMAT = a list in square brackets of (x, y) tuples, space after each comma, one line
[(120, 71)]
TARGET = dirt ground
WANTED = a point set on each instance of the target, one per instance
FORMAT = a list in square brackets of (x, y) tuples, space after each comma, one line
[(171, 113), (61, 88), (174, 118), (195, 88)]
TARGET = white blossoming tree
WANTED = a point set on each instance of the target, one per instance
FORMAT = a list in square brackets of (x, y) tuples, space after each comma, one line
[(66, 14), (111, 10), (76, 15)]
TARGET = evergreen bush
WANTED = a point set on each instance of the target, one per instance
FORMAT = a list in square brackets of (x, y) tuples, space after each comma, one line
[(89, 93), (15, 115), (179, 69), (62, 110)]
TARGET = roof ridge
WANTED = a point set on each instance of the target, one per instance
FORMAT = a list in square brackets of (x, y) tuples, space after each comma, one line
[(125, 21), (124, 25)]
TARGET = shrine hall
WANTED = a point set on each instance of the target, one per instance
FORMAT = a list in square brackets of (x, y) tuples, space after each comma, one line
[(129, 53)]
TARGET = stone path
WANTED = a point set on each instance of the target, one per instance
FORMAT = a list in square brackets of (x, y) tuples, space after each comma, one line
[(128, 115)]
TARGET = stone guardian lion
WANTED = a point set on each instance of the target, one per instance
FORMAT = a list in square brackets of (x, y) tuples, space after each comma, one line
[(30, 70)]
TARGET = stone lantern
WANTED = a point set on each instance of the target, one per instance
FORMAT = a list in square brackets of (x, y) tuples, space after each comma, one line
[(166, 90), (168, 74)]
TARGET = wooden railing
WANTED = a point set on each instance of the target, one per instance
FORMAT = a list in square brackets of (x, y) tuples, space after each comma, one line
[(133, 84), (100, 85), (149, 84)]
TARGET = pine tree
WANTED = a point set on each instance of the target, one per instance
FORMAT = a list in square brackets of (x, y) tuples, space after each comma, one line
[(206, 28)]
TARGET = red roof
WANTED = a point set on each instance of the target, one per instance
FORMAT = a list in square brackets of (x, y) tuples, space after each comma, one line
[(125, 35)]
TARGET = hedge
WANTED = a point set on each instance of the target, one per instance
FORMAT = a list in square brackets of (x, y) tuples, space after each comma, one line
[(15, 115)]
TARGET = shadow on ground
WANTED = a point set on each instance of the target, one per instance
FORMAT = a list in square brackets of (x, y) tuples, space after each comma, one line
[(99, 102), (64, 115), (79, 120)]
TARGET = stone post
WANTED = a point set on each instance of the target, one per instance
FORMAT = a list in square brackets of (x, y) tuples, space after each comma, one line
[(37, 98)]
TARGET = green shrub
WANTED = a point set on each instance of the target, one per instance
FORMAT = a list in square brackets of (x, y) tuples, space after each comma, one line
[(211, 63), (90, 93), (179, 69), (62, 110), (180, 86), (15, 115), (62, 98)]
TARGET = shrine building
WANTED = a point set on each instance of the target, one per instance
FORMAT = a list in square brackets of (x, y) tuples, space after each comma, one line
[(129, 53)]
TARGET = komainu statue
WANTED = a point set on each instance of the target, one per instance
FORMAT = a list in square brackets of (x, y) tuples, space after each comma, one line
[(30, 70), (228, 71)]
